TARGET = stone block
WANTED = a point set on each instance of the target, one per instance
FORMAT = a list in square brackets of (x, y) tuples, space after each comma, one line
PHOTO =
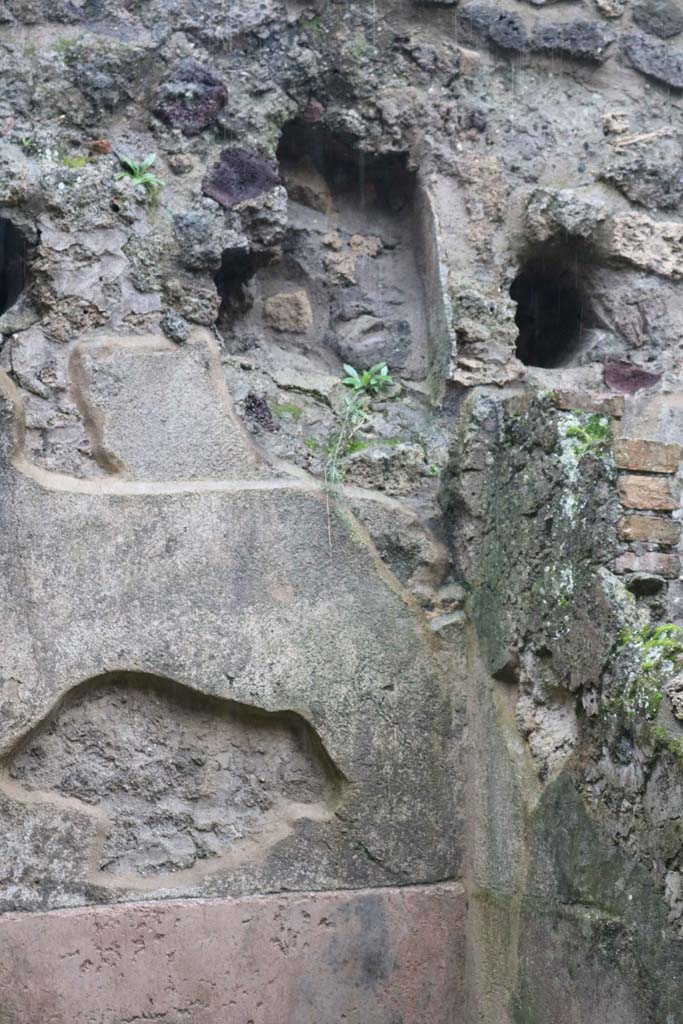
[(158, 410), (650, 529), (580, 39), (377, 955), (653, 59), (653, 493), (651, 245), (651, 562), (647, 456), (290, 312), (587, 401)]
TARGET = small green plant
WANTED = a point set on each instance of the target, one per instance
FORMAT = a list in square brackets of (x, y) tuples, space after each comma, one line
[(358, 46), (593, 435), (363, 386), (141, 174), (367, 382), (355, 415), (664, 742)]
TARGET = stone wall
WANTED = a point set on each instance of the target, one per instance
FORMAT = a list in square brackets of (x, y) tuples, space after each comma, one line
[(322, 704)]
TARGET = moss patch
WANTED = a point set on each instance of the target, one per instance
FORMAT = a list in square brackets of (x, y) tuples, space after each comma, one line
[(592, 434), (658, 654), (288, 410)]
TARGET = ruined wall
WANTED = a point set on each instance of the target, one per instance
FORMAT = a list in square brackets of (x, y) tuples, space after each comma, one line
[(319, 707)]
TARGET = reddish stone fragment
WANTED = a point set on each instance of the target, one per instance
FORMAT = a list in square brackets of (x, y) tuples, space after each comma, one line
[(587, 401), (650, 529), (627, 378), (313, 112), (239, 175), (192, 99)]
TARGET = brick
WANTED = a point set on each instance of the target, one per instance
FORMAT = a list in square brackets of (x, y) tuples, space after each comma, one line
[(589, 401), (652, 562), (653, 529), (651, 493), (647, 456)]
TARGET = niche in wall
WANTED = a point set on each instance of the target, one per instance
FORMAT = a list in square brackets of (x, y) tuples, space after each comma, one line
[(13, 264), (551, 309)]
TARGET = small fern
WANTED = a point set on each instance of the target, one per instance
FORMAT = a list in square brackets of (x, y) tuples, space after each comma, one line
[(141, 174)]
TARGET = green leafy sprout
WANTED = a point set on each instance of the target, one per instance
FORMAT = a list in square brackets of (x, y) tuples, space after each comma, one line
[(363, 386), (367, 382), (141, 174)]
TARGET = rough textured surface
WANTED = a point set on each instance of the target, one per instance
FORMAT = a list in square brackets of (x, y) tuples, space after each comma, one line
[(444, 614), (173, 778)]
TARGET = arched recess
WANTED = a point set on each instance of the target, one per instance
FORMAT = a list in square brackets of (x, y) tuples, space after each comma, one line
[(179, 782)]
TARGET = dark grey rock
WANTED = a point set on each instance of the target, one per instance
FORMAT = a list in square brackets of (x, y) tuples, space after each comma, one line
[(650, 175), (350, 303), (653, 59), (580, 39), (32, 12), (196, 235), (174, 327), (659, 17), (503, 28), (369, 340)]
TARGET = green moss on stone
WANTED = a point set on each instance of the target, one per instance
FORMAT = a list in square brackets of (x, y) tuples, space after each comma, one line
[(592, 434), (75, 163), (288, 410), (666, 743), (659, 653)]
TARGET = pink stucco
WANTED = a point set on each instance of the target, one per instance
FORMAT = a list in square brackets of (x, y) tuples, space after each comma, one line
[(379, 956)]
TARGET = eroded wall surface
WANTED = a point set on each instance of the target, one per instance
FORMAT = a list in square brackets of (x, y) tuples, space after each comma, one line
[(316, 704)]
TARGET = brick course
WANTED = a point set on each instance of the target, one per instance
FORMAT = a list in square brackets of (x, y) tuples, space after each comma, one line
[(652, 562), (585, 401), (651, 493), (652, 529), (647, 456)]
